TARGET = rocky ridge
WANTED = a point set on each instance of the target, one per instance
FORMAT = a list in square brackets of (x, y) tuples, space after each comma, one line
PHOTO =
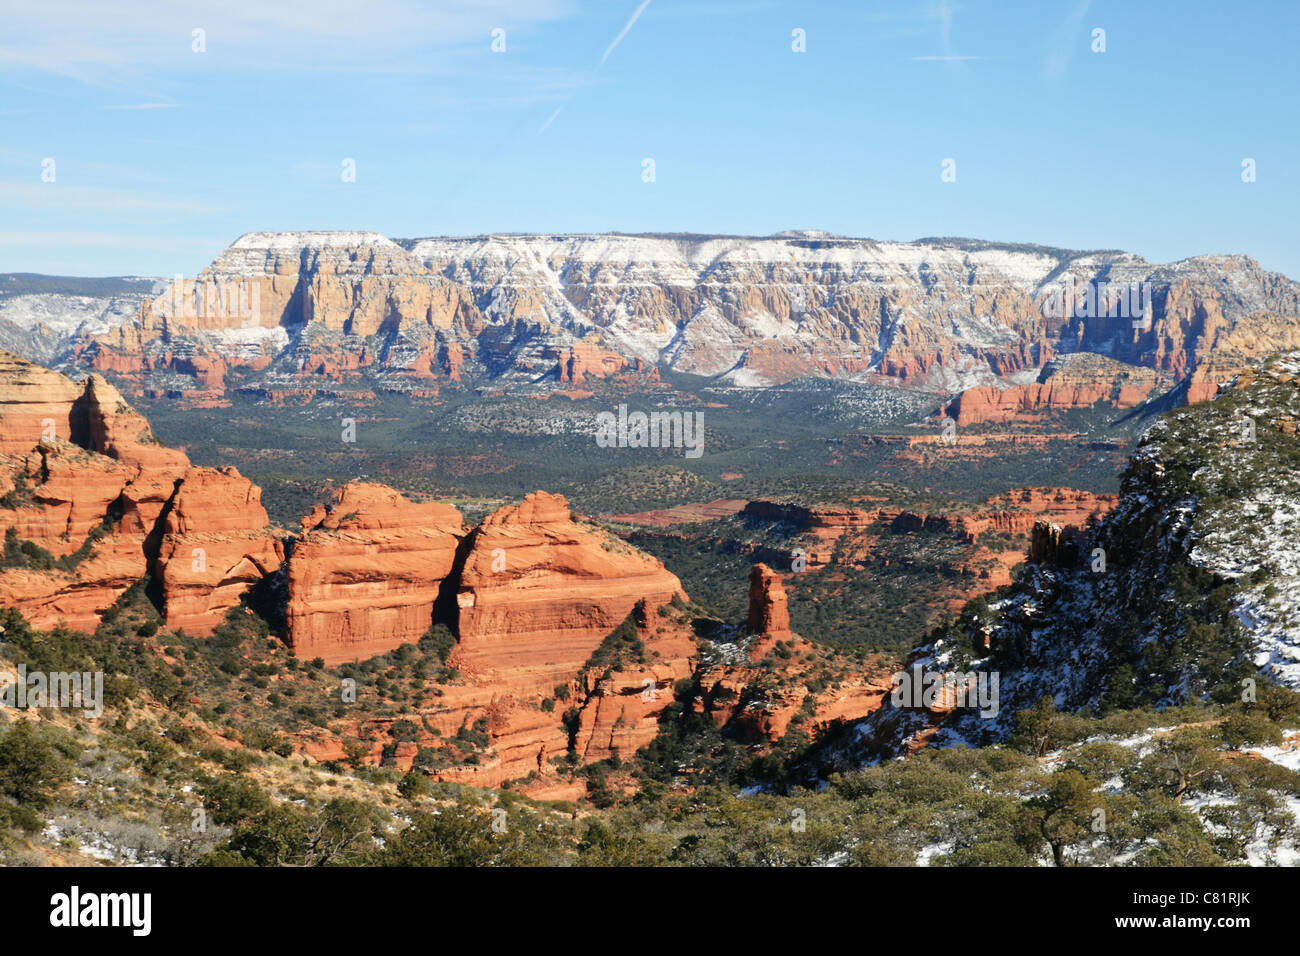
[(821, 536), (541, 608), (1187, 589), (319, 311)]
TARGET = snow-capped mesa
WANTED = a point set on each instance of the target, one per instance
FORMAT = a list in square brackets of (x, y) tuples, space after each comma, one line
[(936, 315), (41, 316)]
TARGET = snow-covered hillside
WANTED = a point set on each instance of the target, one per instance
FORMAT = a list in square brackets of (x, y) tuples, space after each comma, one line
[(1189, 589)]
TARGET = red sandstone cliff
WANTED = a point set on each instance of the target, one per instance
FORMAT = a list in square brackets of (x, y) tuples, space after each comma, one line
[(216, 545), (1071, 381), (769, 615), (86, 481), (539, 591), (364, 577)]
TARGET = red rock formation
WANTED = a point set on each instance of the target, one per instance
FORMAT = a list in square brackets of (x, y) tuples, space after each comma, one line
[(38, 405), (118, 505), (540, 591), (856, 531), (211, 547), (1016, 511), (364, 577), (584, 359), (612, 708), (215, 546), (75, 599), (1073, 381), (769, 616), (69, 493), (117, 430), (35, 403), (622, 709)]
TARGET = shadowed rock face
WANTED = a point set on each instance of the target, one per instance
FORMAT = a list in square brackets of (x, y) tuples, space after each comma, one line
[(216, 545), (107, 424), (38, 405)]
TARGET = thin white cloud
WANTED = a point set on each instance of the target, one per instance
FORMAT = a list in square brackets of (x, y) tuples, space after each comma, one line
[(945, 27), (549, 121), (944, 14), (636, 14), (91, 41), (622, 33), (1064, 42), (55, 238), (66, 197)]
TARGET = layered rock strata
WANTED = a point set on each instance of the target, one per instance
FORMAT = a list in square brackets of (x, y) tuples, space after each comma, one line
[(365, 575)]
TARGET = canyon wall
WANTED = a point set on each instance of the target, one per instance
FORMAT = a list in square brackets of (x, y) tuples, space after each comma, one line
[(85, 481), (216, 544), (539, 591), (313, 312), (364, 577), (569, 644)]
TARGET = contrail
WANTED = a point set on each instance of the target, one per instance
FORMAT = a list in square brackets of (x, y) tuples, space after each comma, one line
[(549, 121), (618, 39)]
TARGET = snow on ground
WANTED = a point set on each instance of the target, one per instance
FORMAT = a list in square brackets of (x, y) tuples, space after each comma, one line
[(294, 241), (68, 314), (1287, 755), (1270, 611), (276, 336), (930, 851), (746, 378)]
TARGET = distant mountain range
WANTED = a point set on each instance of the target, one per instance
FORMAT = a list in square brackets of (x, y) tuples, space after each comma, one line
[(338, 311)]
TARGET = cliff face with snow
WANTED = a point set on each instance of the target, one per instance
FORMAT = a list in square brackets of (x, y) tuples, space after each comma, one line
[(40, 316), (1188, 588), (939, 315)]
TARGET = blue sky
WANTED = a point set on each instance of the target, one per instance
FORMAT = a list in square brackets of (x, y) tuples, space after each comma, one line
[(163, 155)]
